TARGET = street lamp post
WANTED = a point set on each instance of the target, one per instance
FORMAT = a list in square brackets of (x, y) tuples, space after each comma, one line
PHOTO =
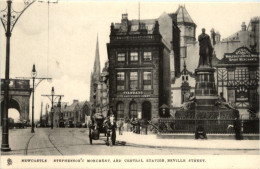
[(9, 17), (60, 112), (52, 94), (34, 74), (52, 98), (59, 107)]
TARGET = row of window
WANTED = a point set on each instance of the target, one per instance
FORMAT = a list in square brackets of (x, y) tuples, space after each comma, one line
[(72, 115), (68, 114), (133, 113), (242, 74), (133, 80), (134, 56), (132, 110)]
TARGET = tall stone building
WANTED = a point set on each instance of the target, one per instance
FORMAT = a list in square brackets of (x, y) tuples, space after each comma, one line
[(139, 63), (188, 31), (171, 38), (95, 78), (103, 90)]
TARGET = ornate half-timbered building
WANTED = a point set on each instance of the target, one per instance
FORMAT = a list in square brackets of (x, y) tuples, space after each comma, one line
[(238, 79)]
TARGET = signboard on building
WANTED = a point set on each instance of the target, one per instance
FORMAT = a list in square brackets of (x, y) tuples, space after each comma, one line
[(133, 94), (241, 94), (241, 55)]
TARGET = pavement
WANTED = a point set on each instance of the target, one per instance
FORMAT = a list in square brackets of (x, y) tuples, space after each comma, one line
[(152, 141)]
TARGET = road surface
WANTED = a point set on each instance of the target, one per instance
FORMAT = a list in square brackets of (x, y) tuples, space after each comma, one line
[(75, 141)]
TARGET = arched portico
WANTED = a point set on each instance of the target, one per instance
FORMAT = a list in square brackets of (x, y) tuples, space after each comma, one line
[(19, 96)]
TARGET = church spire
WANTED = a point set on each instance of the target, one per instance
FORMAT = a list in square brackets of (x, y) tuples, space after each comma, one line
[(96, 69), (95, 74)]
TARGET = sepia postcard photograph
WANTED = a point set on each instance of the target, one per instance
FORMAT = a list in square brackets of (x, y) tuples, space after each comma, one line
[(129, 84)]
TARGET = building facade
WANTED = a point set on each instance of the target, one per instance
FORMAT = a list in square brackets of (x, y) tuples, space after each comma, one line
[(182, 89), (75, 113), (188, 32), (102, 98), (238, 80), (171, 38), (137, 58)]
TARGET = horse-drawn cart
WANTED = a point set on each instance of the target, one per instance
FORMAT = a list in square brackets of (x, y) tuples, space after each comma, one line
[(100, 124), (96, 127)]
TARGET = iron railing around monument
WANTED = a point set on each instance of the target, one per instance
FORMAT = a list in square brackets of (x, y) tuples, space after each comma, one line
[(250, 126), (211, 126)]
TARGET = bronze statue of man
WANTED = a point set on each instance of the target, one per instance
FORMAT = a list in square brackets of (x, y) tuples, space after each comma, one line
[(206, 49)]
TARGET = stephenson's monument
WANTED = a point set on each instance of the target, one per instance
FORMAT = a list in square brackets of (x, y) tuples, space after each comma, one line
[(205, 89), (206, 104)]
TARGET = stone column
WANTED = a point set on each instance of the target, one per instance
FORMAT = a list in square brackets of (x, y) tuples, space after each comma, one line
[(205, 89)]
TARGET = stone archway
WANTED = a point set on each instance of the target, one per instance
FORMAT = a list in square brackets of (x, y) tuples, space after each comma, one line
[(19, 95), (13, 104)]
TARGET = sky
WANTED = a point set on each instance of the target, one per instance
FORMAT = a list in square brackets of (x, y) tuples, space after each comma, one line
[(73, 30)]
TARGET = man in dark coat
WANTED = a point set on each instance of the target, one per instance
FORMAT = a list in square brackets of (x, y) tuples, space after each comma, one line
[(91, 128), (237, 128), (114, 126), (200, 133), (111, 129)]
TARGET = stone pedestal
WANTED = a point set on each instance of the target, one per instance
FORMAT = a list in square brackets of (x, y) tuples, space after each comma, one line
[(205, 89)]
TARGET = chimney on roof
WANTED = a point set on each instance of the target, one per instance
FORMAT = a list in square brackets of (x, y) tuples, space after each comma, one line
[(156, 28), (124, 23), (124, 16), (212, 35), (243, 26), (217, 37), (112, 29), (75, 101), (172, 64)]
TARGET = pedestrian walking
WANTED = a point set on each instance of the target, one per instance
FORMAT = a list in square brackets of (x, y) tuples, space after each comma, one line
[(131, 124), (121, 126), (137, 126), (114, 126)]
